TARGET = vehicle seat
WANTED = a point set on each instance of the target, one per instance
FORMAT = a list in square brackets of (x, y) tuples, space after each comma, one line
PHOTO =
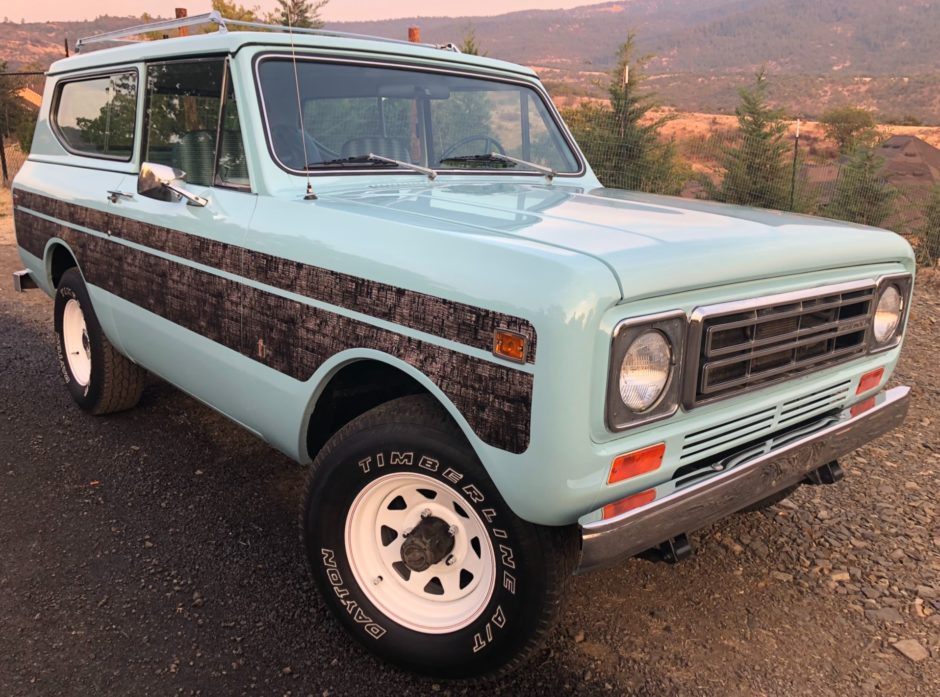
[(394, 148), (233, 169), (194, 154)]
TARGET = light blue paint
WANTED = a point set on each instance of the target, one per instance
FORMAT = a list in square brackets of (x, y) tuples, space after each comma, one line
[(571, 257)]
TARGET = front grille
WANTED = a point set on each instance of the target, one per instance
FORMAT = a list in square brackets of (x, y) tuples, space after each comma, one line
[(740, 346)]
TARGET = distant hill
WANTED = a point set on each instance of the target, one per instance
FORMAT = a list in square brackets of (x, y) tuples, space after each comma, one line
[(879, 53)]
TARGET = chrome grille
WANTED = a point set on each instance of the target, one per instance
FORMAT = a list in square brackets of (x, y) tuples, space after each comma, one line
[(740, 346)]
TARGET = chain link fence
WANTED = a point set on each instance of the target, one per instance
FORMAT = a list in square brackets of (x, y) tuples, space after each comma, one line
[(894, 183), (20, 99)]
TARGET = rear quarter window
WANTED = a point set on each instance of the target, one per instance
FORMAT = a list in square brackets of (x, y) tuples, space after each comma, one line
[(96, 116)]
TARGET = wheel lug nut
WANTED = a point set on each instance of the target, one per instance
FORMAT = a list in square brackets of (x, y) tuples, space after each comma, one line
[(426, 513), (377, 580), (406, 532), (452, 530), (450, 560)]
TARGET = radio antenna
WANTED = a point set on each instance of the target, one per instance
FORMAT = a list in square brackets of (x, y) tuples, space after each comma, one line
[(310, 195)]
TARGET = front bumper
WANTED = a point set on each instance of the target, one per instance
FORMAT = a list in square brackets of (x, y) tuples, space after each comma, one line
[(741, 479)]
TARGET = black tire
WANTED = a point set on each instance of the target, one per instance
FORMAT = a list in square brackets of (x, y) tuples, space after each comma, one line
[(770, 500), (532, 563), (115, 383)]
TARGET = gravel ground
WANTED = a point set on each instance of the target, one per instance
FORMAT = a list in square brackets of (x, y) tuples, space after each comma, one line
[(156, 552)]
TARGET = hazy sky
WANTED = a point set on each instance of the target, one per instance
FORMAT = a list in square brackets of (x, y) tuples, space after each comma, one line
[(337, 10)]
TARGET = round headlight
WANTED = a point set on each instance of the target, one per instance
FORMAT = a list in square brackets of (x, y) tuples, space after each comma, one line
[(887, 314), (645, 370)]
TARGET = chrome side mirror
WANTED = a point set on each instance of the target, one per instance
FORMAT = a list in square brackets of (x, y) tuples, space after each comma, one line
[(161, 182)]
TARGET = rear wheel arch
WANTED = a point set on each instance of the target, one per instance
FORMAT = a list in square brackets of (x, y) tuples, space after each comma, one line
[(59, 259)]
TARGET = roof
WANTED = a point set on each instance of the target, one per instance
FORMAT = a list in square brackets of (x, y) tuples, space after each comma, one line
[(233, 41)]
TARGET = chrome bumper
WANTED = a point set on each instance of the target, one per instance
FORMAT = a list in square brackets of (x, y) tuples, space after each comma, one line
[(741, 479)]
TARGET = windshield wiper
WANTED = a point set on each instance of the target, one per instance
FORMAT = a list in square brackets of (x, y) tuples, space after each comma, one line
[(341, 161), (504, 161), (479, 159), (374, 159), (431, 174)]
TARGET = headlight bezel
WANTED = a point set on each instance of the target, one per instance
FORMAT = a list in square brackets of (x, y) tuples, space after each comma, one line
[(902, 283), (673, 326)]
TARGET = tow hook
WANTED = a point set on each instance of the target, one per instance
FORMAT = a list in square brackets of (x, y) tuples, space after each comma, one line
[(22, 281), (672, 551), (829, 473)]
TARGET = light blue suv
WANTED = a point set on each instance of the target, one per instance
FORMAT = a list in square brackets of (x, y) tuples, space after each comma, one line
[(391, 262)]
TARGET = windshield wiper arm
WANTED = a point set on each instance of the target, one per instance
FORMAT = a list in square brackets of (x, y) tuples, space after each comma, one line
[(547, 171), (430, 173)]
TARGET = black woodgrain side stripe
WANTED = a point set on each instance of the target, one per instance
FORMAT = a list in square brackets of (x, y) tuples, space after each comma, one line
[(289, 336), (459, 322)]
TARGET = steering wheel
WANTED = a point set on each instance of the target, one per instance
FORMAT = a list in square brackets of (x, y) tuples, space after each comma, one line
[(288, 142), (485, 139)]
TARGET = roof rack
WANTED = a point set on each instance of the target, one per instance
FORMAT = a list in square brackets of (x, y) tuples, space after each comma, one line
[(223, 24)]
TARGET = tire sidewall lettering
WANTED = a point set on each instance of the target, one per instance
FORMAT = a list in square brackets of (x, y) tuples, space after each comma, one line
[(333, 559)]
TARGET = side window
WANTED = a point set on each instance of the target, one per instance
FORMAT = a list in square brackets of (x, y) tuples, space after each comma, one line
[(183, 102), (232, 168), (96, 116)]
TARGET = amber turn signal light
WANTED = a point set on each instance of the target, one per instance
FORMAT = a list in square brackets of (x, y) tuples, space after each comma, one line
[(636, 463), (509, 345), (870, 380), (862, 407), (612, 510)]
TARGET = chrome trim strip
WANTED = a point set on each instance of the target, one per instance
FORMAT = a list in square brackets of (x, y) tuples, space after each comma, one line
[(674, 326), (748, 477), (906, 283), (535, 85)]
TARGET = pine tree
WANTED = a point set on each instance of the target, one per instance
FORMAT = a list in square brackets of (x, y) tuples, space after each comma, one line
[(862, 195), (469, 43), (622, 141), (304, 14), (758, 168)]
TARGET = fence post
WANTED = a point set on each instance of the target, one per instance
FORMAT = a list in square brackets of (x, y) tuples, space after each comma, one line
[(3, 162), (796, 155)]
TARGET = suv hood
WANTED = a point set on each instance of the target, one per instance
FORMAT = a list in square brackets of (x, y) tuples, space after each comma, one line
[(652, 244)]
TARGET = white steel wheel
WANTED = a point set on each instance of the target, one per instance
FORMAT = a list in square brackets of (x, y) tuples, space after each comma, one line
[(77, 345), (420, 553)]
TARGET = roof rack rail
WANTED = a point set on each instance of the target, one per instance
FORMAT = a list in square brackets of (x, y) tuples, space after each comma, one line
[(223, 24)]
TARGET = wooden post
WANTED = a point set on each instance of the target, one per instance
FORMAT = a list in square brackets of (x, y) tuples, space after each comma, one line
[(3, 164), (180, 13), (414, 35), (66, 47)]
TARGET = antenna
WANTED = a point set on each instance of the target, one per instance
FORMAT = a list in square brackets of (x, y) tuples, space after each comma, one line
[(310, 195)]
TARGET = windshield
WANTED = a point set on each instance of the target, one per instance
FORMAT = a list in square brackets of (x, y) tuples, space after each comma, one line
[(435, 120)]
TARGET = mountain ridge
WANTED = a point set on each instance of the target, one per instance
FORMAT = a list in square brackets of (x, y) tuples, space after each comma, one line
[(876, 52)]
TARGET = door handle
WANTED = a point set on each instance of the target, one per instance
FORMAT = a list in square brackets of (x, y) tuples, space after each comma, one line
[(115, 196)]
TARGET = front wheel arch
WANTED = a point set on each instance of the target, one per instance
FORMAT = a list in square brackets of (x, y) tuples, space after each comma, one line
[(409, 381)]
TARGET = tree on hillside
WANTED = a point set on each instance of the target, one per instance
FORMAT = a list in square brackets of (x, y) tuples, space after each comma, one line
[(469, 43), (862, 195), (758, 167), (232, 10), (622, 140), (850, 127), (17, 119), (304, 14)]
